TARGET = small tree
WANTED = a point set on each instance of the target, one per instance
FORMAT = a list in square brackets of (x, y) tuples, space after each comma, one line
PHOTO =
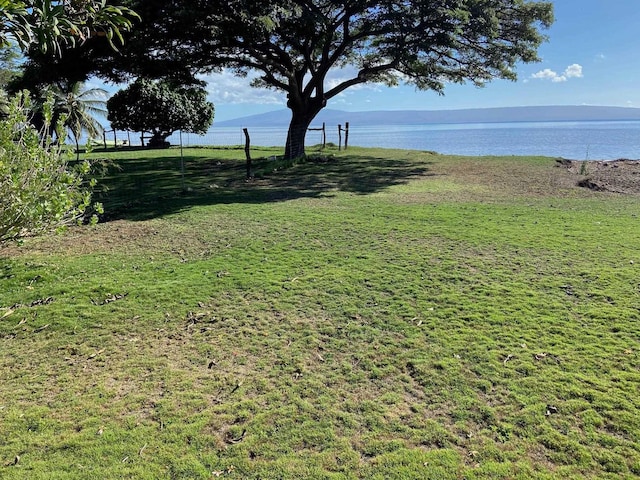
[(160, 108), (79, 107), (39, 191)]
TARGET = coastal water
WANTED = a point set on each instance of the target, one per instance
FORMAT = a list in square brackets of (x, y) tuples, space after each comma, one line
[(605, 140)]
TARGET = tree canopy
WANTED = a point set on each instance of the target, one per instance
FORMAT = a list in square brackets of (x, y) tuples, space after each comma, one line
[(294, 45), (160, 108)]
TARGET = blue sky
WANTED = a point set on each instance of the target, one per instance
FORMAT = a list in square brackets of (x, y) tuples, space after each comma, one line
[(592, 58)]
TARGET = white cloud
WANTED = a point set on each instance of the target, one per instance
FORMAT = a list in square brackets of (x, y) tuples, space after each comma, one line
[(227, 88), (572, 71), (547, 73)]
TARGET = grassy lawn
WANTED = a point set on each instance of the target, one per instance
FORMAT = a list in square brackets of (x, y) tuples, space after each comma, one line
[(378, 314)]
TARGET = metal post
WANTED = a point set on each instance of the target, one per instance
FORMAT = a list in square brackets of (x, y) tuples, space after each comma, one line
[(182, 162)]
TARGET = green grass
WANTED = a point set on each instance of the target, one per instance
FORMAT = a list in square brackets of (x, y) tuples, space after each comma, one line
[(378, 314)]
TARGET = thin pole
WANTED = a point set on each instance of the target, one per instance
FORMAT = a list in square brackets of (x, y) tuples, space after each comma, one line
[(182, 161)]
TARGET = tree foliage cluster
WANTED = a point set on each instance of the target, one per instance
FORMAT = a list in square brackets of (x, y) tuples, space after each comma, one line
[(53, 25), (160, 108)]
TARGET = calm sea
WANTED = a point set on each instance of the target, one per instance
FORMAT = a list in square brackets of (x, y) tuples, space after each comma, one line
[(575, 140)]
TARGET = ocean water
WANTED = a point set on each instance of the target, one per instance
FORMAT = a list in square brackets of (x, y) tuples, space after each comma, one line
[(606, 140)]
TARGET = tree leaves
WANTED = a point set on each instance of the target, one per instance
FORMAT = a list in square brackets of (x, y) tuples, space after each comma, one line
[(54, 25)]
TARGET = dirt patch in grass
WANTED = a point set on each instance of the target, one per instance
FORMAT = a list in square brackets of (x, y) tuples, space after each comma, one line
[(617, 176)]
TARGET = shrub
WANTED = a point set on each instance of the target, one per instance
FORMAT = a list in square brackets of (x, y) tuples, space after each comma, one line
[(39, 190)]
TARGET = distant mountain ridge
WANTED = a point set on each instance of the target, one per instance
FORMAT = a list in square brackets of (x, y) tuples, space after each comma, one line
[(552, 113)]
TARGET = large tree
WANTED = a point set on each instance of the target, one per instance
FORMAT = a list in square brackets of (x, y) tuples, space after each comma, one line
[(160, 108), (295, 44)]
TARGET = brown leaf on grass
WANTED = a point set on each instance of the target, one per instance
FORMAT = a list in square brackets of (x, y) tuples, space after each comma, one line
[(95, 354), (113, 298), (35, 303), (41, 301), (39, 329), (7, 313), (236, 439), (509, 357)]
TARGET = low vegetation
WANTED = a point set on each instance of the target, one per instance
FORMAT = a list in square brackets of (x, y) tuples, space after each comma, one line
[(368, 314)]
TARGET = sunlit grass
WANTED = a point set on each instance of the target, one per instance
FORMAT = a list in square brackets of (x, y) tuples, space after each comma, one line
[(376, 314)]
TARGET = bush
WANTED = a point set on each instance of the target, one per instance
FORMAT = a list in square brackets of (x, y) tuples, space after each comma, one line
[(39, 190)]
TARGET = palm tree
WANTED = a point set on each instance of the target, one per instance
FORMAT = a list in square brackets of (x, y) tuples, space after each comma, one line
[(79, 108)]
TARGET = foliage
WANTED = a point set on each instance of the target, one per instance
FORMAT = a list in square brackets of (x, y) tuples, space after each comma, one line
[(384, 315), (79, 108), (160, 108), (294, 45), (53, 25), (39, 190)]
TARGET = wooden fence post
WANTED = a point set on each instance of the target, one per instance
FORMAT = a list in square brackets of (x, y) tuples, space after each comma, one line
[(339, 137), (324, 135), (247, 150), (346, 135)]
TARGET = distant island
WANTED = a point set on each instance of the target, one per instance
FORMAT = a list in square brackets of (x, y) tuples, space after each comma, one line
[(554, 113)]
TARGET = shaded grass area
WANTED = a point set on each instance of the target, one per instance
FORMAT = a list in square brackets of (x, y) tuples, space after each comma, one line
[(143, 184), (382, 314)]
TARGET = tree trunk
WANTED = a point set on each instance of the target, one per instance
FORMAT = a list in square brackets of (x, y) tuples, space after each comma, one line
[(159, 140), (302, 114), (77, 147), (296, 135)]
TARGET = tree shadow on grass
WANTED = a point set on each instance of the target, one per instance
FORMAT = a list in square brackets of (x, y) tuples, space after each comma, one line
[(141, 189)]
